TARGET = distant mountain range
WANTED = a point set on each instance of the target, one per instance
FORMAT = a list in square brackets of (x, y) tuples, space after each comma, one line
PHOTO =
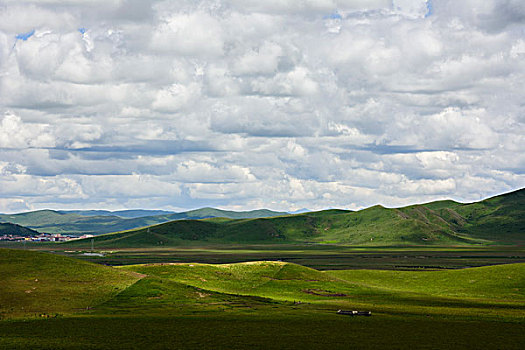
[(497, 220), (99, 221), (131, 213), (300, 211)]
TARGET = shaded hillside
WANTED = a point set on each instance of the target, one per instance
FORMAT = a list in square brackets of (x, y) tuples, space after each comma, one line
[(495, 220), (51, 221), (499, 218), (16, 230)]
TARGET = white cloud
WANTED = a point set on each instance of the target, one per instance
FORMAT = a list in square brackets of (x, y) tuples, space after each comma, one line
[(17, 18), (29, 186), (189, 34), (199, 172), (14, 133), (263, 60), (451, 128), (412, 8), (297, 82), (295, 6), (127, 186), (244, 104), (175, 97)]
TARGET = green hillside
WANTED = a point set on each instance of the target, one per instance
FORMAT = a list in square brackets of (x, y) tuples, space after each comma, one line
[(35, 283), (498, 220), (488, 282), (14, 229), (92, 222)]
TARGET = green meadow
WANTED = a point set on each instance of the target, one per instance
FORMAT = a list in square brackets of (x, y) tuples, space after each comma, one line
[(57, 302)]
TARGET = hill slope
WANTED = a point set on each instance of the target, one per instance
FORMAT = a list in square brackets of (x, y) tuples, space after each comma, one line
[(496, 220), (34, 283), (95, 222), (14, 229)]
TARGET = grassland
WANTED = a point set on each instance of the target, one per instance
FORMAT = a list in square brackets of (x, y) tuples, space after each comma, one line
[(259, 332), (256, 305)]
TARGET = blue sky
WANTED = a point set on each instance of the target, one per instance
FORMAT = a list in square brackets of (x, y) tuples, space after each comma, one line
[(429, 8), (25, 36), (114, 104)]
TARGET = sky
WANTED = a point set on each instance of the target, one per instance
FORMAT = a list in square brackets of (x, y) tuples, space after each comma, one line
[(246, 104)]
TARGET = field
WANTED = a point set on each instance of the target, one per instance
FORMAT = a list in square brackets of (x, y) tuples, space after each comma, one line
[(256, 305)]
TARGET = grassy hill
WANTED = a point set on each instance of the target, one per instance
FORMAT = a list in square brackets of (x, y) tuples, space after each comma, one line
[(498, 220), (95, 222), (35, 283), (14, 229)]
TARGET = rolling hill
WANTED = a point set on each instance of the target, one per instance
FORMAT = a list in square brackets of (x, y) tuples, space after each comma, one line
[(16, 230), (95, 222), (497, 220), (35, 283)]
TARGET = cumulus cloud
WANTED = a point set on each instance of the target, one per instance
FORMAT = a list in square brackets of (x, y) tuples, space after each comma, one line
[(246, 104), (14, 133), (195, 34)]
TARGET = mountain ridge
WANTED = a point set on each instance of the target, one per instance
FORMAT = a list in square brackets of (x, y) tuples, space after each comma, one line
[(125, 213)]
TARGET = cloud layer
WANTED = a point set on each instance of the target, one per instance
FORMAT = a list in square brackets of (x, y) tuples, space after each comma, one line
[(249, 104)]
